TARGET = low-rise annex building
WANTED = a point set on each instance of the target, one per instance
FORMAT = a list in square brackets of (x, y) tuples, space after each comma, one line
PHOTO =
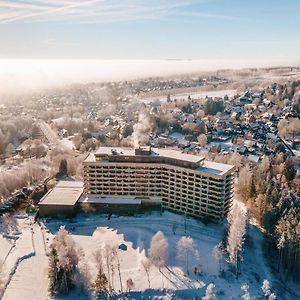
[(62, 199), (181, 182)]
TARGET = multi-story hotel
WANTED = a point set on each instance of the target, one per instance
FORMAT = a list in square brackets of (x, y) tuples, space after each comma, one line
[(181, 182)]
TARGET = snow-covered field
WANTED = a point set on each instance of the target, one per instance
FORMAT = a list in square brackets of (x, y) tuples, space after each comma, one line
[(26, 263), (195, 95), (94, 231)]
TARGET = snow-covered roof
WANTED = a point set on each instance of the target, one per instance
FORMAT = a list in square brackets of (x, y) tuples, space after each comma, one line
[(215, 168), (155, 152), (64, 193)]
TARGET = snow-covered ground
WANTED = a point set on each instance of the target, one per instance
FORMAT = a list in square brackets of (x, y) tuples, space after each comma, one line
[(195, 95), (94, 231), (68, 143), (25, 262)]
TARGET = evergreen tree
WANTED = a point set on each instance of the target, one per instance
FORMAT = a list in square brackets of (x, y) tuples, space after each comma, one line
[(252, 188), (63, 168), (101, 284), (289, 171)]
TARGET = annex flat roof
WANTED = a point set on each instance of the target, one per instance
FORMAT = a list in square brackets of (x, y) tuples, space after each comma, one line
[(64, 193)]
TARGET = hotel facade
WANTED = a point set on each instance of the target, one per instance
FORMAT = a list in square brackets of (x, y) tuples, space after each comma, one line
[(177, 181)]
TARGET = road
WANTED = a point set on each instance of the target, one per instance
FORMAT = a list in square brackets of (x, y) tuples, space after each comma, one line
[(31, 278), (49, 133), (52, 137)]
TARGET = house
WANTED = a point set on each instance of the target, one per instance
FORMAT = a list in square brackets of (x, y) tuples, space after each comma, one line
[(252, 119)]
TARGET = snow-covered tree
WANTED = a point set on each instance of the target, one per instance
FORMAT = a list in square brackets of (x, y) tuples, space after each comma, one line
[(272, 297), (218, 253), (245, 288), (101, 284), (202, 140), (210, 293), (266, 288), (158, 249), (9, 149), (108, 258), (115, 253), (147, 264), (63, 262), (184, 247), (235, 239)]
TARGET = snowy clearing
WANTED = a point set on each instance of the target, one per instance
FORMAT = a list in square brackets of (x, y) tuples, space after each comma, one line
[(195, 95), (93, 232)]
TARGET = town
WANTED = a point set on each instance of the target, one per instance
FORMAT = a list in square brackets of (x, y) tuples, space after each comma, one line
[(52, 146)]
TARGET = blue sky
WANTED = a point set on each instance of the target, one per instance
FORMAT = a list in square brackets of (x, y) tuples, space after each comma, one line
[(151, 29)]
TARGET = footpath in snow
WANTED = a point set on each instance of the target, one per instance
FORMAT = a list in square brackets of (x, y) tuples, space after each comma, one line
[(29, 280)]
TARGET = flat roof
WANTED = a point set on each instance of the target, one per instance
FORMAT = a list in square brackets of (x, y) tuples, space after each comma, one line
[(201, 164), (64, 193), (108, 200), (215, 168), (163, 152)]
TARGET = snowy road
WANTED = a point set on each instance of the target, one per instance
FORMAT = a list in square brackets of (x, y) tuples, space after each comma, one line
[(31, 273)]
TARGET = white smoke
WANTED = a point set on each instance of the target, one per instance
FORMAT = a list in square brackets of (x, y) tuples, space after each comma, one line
[(141, 130)]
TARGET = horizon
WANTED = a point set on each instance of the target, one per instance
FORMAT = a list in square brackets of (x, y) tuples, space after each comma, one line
[(26, 75)]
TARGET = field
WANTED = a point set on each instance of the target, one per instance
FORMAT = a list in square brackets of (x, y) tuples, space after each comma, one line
[(25, 255), (92, 232)]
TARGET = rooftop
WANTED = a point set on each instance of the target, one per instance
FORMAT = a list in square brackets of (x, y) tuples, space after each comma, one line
[(215, 168), (154, 152), (163, 155), (64, 193)]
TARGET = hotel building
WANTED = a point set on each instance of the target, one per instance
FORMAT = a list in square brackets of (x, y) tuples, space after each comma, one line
[(181, 182)]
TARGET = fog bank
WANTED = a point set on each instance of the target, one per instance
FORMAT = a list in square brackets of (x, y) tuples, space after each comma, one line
[(20, 75)]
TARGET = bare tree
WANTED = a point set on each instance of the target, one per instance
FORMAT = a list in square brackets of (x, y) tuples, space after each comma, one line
[(10, 148), (202, 140), (109, 257), (184, 247), (236, 160), (218, 253), (147, 264), (158, 249), (116, 256)]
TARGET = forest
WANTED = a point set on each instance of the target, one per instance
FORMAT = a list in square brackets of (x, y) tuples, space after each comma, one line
[(271, 192)]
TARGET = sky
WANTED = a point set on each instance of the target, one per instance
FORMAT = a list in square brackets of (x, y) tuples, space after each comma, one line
[(246, 30), (45, 43)]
